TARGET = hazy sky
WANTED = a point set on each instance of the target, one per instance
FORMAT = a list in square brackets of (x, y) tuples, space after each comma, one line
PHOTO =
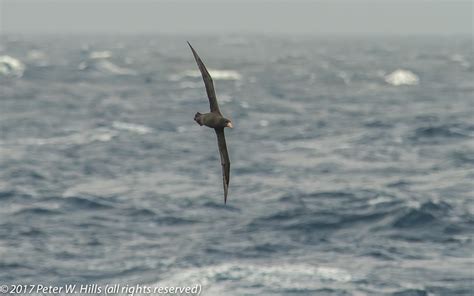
[(232, 16)]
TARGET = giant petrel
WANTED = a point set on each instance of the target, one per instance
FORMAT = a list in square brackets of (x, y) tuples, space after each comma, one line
[(215, 120)]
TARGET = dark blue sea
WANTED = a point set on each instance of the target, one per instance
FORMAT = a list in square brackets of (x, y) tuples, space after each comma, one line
[(352, 164)]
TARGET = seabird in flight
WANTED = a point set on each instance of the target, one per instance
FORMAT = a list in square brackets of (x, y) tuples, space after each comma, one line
[(215, 120)]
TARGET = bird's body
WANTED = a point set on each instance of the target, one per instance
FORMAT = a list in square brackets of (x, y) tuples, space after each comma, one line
[(215, 120), (212, 120)]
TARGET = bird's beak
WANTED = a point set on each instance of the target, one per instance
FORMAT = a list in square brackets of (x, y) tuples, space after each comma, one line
[(230, 125)]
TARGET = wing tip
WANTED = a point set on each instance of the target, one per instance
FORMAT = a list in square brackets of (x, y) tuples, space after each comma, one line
[(192, 49), (226, 190), (225, 194)]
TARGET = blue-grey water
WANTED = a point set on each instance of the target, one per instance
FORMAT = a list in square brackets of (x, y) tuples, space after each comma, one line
[(352, 164)]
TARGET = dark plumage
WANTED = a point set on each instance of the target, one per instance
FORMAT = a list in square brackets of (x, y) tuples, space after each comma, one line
[(215, 120)]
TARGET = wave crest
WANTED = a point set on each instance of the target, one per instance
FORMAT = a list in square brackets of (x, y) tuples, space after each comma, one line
[(10, 66), (402, 77)]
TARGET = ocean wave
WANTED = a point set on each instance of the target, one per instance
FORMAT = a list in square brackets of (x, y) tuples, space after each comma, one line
[(103, 187), (411, 292), (27, 173), (11, 67), (38, 211), (284, 276), (463, 158), (105, 67), (173, 221), (435, 133), (79, 202), (80, 138), (306, 212), (349, 189), (100, 54), (110, 68), (428, 222), (460, 59), (426, 213), (16, 194), (132, 127), (190, 84), (38, 58), (215, 74), (402, 77)]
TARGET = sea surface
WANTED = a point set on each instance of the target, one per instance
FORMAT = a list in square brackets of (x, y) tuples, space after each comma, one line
[(352, 164)]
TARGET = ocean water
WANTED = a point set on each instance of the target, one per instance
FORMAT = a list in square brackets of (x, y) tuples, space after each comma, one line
[(352, 164)]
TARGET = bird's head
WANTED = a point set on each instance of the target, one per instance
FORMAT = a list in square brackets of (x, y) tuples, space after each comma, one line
[(228, 123)]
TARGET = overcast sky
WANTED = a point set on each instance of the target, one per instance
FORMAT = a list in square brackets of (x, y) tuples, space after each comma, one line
[(231, 16)]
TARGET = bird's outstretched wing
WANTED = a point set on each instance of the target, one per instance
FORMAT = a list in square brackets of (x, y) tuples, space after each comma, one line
[(225, 162), (211, 93)]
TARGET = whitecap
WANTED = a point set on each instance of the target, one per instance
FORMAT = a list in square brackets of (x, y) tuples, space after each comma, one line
[(109, 67), (100, 187), (10, 66), (132, 127), (100, 54), (79, 138), (332, 273), (402, 77), (244, 105), (379, 200), (281, 276), (215, 74)]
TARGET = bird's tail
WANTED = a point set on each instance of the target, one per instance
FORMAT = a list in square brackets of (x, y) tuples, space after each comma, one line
[(198, 118)]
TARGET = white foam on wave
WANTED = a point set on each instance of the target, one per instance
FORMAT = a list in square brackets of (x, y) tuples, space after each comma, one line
[(215, 74), (10, 66), (334, 274), (132, 127), (101, 134), (402, 77), (106, 67), (379, 200), (109, 67), (78, 138), (99, 60), (281, 276), (105, 54), (98, 187)]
